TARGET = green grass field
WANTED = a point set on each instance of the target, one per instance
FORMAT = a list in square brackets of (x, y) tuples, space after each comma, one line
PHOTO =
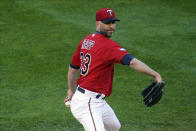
[(38, 38)]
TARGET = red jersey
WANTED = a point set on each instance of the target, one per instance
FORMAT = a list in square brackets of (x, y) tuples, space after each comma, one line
[(96, 55)]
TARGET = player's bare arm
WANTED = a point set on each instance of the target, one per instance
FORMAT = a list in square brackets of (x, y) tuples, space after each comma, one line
[(72, 77), (139, 66)]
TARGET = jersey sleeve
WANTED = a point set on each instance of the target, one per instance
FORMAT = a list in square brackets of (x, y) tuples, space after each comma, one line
[(115, 53), (75, 62)]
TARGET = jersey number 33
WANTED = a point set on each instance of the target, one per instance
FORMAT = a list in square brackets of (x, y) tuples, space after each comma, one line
[(85, 63)]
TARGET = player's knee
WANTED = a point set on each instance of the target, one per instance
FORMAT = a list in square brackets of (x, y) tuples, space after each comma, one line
[(116, 126)]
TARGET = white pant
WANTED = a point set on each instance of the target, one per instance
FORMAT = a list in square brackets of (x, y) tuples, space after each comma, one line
[(94, 114)]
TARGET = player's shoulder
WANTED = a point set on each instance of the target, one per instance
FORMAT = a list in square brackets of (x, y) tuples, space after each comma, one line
[(86, 37), (101, 40), (111, 43), (90, 36)]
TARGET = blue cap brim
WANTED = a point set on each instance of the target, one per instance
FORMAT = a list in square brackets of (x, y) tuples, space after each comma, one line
[(110, 19)]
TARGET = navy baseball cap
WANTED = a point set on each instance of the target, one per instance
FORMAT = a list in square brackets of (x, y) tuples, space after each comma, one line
[(106, 15)]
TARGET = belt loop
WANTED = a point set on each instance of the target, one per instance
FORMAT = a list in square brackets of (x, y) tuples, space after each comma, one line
[(98, 96), (81, 90)]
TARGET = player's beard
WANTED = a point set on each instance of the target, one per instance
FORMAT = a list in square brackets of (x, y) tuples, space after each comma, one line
[(107, 33)]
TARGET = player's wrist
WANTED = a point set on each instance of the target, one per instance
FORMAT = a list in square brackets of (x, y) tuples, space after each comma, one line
[(157, 78), (71, 88)]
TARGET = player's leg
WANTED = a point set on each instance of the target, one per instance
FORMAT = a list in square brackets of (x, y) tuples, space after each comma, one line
[(111, 122), (92, 122), (87, 113)]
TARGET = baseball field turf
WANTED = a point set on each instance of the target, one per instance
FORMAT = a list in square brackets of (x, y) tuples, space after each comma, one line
[(38, 38)]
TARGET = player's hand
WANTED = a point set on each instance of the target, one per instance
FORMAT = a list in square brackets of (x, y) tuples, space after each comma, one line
[(70, 93)]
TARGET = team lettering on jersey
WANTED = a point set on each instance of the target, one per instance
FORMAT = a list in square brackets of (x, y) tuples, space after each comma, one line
[(87, 44)]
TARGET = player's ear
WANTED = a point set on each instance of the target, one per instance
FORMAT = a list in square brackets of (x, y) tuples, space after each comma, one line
[(97, 25)]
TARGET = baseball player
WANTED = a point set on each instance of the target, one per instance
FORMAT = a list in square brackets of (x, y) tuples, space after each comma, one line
[(94, 59)]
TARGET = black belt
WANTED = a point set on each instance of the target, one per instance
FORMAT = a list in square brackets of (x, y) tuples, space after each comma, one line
[(83, 92)]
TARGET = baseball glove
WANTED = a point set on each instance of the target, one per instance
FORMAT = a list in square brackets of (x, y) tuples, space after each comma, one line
[(152, 93)]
